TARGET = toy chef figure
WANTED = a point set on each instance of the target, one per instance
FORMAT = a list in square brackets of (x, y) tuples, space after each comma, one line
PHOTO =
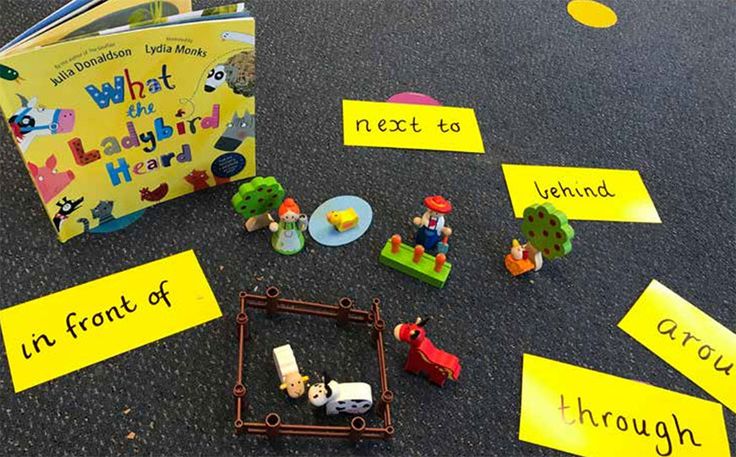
[(287, 238), (432, 223)]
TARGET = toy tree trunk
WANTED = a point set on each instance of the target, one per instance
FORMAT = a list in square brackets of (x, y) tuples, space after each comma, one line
[(535, 256), (258, 222)]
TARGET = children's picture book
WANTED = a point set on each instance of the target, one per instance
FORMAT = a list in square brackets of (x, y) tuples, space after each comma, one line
[(109, 124), (194, 16), (106, 15), (71, 9)]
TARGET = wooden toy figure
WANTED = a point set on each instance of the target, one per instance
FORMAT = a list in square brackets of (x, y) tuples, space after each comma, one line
[(424, 357), (291, 380), (432, 235), (287, 238), (431, 224), (518, 261), (345, 397)]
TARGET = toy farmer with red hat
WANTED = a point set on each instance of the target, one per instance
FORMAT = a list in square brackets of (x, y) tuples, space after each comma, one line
[(431, 225)]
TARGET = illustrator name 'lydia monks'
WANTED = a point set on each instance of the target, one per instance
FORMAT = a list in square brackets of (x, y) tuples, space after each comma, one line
[(178, 49), (80, 66)]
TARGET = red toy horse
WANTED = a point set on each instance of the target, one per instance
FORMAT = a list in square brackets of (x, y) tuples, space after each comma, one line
[(424, 357)]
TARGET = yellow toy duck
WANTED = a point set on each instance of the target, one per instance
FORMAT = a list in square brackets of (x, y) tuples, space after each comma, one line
[(343, 220)]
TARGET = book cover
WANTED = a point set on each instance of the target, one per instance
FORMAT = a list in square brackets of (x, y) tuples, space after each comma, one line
[(109, 125), (106, 15), (70, 10), (235, 9)]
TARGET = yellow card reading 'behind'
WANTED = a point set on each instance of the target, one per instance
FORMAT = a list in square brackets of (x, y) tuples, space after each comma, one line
[(593, 194), (407, 126), (685, 337), (590, 413), (60, 333)]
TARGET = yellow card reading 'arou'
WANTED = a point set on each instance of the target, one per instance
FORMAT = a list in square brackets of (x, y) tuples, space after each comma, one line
[(407, 126), (590, 413), (688, 339), (54, 335), (594, 194)]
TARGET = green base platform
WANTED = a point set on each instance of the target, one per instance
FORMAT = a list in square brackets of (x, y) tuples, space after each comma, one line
[(422, 270)]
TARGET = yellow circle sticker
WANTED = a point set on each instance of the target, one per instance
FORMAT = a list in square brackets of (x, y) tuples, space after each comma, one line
[(592, 14)]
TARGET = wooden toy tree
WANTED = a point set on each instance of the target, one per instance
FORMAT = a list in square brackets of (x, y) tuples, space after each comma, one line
[(255, 199), (547, 233)]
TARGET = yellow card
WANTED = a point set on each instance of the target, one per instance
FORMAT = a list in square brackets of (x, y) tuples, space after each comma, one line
[(590, 413), (407, 126), (593, 194), (60, 333), (685, 337)]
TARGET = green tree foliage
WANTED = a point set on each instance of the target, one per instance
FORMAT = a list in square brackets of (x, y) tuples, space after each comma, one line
[(258, 196), (546, 228)]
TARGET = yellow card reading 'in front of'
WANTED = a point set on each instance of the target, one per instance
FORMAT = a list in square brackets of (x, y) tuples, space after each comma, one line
[(407, 126), (590, 413), (593, 194), (60, 333), (685, 337)]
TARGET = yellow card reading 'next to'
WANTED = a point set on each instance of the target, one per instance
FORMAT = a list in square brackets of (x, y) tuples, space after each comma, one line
[(593, 194), (408, 126), (688, 339), (60, 333), (590, 413)]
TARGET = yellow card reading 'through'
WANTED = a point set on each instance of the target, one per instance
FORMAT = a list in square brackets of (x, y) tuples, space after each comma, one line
[(54, 335), (406, 126), (686, 338), (594, 194), (590, 413)]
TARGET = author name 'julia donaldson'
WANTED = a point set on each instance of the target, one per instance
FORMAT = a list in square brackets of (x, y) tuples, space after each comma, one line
[(80, 66)]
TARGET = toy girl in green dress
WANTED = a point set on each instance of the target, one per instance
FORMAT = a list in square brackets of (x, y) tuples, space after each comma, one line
[(287, 238)]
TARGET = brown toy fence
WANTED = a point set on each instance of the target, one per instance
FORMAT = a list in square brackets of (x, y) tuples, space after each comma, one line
[(344, 313)]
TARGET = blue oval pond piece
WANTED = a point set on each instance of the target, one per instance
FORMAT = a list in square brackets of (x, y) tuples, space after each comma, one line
[(119, 223), (228, 165), (326, 234)]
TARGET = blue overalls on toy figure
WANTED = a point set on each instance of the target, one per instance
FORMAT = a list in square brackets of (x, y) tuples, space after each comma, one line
[(432, 231)]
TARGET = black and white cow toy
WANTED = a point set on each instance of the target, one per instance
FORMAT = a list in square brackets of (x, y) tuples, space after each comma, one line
[(345, 397)]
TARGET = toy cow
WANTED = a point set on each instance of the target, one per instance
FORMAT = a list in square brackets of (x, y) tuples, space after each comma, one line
[(424, 357), (291, 380), (346, 397), (343, 220)]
